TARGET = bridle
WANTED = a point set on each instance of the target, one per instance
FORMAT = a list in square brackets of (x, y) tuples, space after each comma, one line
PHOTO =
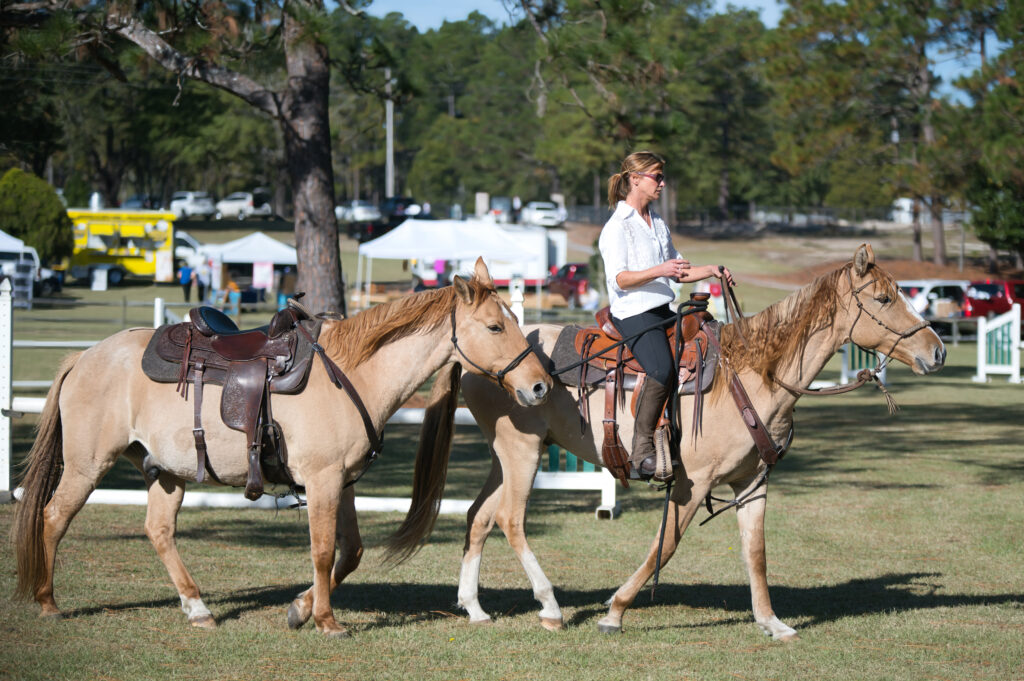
[(864, 375), (499, 376)]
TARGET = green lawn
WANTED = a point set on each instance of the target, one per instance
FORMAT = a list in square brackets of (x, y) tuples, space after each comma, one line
[(895, 547)]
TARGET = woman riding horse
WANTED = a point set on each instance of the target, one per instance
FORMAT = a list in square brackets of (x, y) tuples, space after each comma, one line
[(639, 261)]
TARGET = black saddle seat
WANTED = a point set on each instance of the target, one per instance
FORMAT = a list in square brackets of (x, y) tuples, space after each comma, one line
[(210, 321)]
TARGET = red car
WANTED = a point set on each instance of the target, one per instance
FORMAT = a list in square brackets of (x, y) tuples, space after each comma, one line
[(570, 281), (991, 297)]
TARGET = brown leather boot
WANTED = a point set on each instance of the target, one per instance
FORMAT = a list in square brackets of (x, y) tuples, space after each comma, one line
[(649, 405)]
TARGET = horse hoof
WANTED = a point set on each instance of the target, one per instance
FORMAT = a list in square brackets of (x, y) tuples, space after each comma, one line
[(51, 616), (551, 624), (789, 638), (340, 633), (608, 628), (295, 617), (204, 622), (484, 621)]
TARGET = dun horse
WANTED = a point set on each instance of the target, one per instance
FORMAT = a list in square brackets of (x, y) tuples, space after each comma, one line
[(791, 340), (102, 406)]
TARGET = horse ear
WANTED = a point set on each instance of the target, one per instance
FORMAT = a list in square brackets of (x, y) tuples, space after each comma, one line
[(464, 290), (863, 259), (482, 274)]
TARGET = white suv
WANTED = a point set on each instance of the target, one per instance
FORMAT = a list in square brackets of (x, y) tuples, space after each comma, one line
[(191, 204), (242, 205)]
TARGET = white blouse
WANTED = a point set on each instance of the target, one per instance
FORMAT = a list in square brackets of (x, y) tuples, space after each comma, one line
[(627, 243)]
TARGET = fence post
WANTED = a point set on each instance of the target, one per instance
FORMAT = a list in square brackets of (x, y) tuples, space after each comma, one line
[(158, 312), (6, 337), (982, 336)]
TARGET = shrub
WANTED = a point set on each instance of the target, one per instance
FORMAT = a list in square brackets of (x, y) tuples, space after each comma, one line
[(31, 211)]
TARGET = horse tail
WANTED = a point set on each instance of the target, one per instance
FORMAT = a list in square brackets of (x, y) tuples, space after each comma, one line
[(431, 466), (43, 469)]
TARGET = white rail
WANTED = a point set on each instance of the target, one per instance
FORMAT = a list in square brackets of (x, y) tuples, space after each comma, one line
[(12, 407)]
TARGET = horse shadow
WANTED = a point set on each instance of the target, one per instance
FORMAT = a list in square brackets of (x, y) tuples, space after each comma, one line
[(387, 605)]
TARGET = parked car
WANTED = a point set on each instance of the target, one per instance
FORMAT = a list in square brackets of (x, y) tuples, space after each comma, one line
[(396, 209), (501, 208), (47, 282), (142, 202), (991, 297), (186, 246), (357, 211), (543, 213), (242, 205), (571, 281), (936, 297), (187, 204)]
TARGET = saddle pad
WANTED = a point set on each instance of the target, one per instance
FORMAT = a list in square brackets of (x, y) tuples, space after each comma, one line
[(565, 354)]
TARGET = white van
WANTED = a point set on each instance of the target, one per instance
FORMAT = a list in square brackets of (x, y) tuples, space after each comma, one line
[(936, 297)]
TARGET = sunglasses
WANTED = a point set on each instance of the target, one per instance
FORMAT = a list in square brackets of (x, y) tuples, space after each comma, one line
[(657, 177)]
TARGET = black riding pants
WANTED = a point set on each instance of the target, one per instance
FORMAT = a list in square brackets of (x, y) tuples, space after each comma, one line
[(651, 348)]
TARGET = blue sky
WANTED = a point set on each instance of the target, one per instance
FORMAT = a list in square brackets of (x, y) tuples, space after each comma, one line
[(428, 15)]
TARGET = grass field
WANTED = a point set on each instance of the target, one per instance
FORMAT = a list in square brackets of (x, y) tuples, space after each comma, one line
[(895, 547)]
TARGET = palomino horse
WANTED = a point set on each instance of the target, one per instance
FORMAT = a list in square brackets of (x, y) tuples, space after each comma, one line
[(102, 406), (791, 340)]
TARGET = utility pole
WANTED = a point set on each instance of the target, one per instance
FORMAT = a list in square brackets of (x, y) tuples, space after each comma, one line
[(389, 124)]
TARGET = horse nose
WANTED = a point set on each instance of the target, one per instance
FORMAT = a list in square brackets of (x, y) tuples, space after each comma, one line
[(540, 389), (940, 355)]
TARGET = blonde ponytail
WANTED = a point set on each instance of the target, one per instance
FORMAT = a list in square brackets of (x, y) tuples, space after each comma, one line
[(638, 161)]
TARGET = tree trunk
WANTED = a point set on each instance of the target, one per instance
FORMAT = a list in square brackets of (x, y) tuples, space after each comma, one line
[(938, 232), (304, 122), (916, 226), (993, 260), (723, 193)]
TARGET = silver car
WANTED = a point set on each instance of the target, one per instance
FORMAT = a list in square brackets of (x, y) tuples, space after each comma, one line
[(242, 205), (187, 204)]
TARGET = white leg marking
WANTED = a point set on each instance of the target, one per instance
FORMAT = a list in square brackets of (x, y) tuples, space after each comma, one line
[(469, 581), (194, 608), (775, 628), (542, 589)]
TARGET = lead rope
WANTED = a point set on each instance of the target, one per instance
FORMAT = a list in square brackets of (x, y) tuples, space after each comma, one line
[(661, 538)]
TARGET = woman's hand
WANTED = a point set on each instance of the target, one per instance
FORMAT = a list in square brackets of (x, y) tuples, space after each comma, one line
[(673, 269), (723, 273)]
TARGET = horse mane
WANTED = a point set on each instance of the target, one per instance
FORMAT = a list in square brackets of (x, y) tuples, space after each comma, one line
[(356, 339), (780, 333)]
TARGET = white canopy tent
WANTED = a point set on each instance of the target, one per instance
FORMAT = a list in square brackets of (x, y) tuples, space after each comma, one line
[(441, 240), (255, 247), (10, 243)]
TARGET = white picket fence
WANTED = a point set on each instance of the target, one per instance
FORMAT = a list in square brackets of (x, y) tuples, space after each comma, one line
[(999, 346), (555, 477)]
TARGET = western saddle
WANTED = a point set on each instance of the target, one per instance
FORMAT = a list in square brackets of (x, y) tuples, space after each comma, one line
[(251, 365), (607, 359)]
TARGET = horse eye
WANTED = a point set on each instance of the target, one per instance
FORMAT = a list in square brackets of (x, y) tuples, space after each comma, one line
[(883, 299), (494, 328)]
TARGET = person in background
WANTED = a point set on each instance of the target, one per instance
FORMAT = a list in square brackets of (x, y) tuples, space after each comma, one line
[(640, 261), (185, 276), (202, 281), (517, 208)]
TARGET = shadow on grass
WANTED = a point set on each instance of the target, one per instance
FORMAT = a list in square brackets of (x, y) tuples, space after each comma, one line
[(403, 603)]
